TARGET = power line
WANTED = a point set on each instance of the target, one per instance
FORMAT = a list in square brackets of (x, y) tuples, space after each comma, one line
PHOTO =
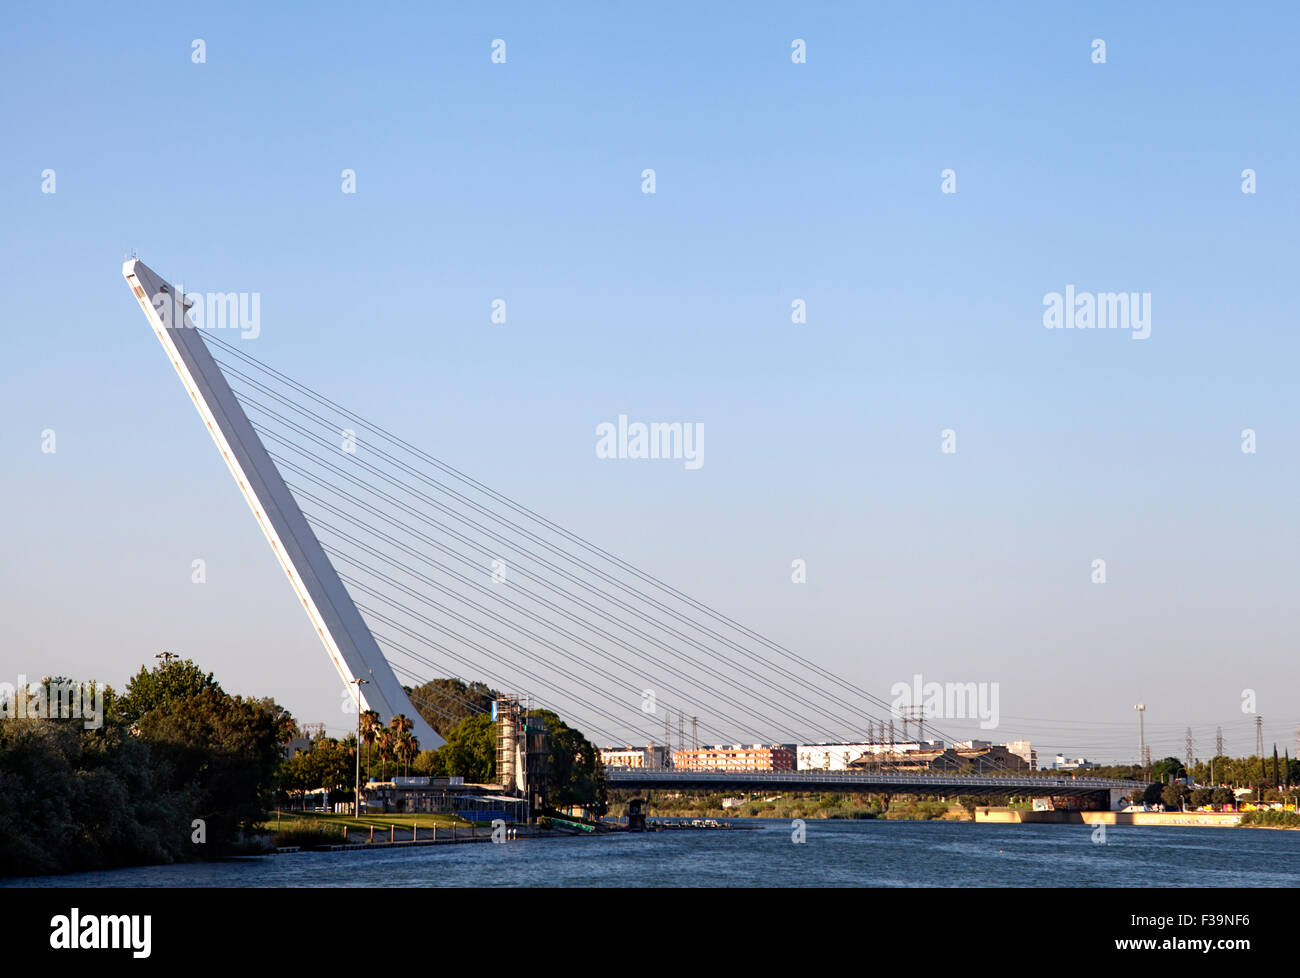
[(657, 605)]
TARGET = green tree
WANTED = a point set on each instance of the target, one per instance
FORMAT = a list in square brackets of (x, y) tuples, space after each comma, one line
[(430, 763), (370, 727), (576, 774), (286, 728), (471, 748), (77, 799), (384, 742), (223, 749), (1163, 770), (444, 703), (150, 688), (1172, 795), (408, 746), (328, 764)]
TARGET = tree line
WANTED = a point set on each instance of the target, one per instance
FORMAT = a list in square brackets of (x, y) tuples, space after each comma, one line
[(180, 769)]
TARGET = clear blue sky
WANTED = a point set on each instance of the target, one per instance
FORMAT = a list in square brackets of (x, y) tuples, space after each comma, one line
[(775, 181)]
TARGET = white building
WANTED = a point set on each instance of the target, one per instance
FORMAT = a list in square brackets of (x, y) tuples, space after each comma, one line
[(1024, 749), (827, 757), (838, 757), (1063, 763), (648, 758), (1021, 748)]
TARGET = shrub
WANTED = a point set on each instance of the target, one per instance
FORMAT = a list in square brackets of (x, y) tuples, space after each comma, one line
[(305, 838)]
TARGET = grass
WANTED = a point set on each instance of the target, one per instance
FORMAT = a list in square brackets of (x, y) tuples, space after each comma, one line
[(310, 829), (923, 811), (1271, 820)]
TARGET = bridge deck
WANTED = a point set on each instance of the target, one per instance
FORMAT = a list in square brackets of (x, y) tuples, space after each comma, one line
[(944, 784)]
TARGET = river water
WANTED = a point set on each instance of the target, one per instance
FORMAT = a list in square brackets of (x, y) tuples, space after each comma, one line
[(835, 853)]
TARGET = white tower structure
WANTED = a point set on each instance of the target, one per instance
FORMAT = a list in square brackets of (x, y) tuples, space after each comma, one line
[(1142, 740), (347, 639)]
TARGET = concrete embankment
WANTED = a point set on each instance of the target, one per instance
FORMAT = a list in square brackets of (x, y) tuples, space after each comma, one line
[(1016, 816), (441, 837)]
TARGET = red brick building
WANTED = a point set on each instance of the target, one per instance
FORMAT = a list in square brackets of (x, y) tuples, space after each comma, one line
[(758, 757)]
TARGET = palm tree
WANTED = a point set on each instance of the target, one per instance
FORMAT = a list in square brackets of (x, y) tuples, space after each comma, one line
[(386, 742), (370, 726), (407, 748), (398, 726)]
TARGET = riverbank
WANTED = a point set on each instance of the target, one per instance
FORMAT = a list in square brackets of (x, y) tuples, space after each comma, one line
[(831, 807), (456, 835), (331, 832), (322, 828), (1009, 816)]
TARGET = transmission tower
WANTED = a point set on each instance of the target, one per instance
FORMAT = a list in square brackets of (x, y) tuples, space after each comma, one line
[(681, 730), (915, 714), (891, 735), (1218, 741), (1146, 759), (668, 739), (695, 737), (1259, 735), (1189, 751)]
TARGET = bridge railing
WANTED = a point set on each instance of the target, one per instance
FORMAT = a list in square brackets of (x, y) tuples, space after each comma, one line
[(846, 777)]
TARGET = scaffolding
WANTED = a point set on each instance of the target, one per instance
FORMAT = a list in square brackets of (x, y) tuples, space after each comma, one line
[(523, 750), (511, 761)]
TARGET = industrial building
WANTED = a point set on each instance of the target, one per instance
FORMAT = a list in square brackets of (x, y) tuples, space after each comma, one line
[(737, 757), (898, 756), (990, 759), (651, 758), (842, 757), (445, 796)]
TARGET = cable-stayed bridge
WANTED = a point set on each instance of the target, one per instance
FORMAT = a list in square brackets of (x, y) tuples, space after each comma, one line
[(408, 567)]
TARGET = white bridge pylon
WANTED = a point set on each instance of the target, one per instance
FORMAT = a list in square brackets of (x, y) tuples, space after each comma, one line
[(347, 638)]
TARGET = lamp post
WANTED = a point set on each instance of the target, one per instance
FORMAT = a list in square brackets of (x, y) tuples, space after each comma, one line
[(356, 797), (1141, 709)]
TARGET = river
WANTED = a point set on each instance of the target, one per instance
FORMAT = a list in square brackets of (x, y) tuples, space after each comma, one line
[(835, 853)]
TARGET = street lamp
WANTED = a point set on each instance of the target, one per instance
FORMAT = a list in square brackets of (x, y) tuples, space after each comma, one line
[(356, 797), (1141, 708)]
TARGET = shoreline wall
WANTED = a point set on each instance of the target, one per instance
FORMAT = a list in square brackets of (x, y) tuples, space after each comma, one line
[(1012, 816)]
